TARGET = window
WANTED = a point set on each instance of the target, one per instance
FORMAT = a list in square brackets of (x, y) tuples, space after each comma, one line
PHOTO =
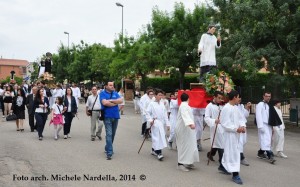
[(24, 70)]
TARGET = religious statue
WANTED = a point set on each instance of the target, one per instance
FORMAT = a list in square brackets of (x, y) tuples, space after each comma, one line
[(45, 64)]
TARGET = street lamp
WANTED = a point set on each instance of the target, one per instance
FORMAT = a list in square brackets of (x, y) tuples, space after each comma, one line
[(68, 37), (120, 5)]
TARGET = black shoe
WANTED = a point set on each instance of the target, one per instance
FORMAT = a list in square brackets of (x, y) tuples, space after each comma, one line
[(210, 157), (237, 180), (40, 138), (261, 156), (108, 158), (272, 160), (100, 138), (223, 170), (32, 130)]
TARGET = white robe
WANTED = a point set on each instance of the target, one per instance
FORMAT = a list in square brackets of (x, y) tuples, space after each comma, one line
[(55, 93), (185, 136), (211, 114), (198, 118), (156, 112), (41, 71), (144, 102), (278, 135), (76, 94), (208, 45), (264, 130), (244, 115), (173, 118), (231, 120)]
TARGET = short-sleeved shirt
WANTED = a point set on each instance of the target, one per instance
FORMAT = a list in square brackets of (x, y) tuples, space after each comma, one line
[(110, 112), (55, 108)]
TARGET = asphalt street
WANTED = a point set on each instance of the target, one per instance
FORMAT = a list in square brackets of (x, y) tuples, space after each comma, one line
[(78, 161)]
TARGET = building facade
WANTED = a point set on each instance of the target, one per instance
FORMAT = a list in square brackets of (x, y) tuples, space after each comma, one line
[(18, 66)]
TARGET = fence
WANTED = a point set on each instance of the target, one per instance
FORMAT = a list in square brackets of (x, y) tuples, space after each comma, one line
[(285, 107)]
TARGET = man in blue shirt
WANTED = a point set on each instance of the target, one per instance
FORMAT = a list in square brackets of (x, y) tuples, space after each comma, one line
[(109, 100)]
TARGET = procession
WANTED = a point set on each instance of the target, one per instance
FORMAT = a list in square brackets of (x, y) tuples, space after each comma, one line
[(204, 93), (165, 122)]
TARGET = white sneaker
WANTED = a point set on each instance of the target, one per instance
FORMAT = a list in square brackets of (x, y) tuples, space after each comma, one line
[(55, 137), (189, 166), (153, 153), (182, 168), (160, 157), (69, 136), (281, 154), (245, 162), (65, 136)]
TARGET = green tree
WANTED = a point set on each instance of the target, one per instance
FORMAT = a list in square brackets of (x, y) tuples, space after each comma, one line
[(266, 29), (99, 67), (260, 30), (176, 36), (141, 59), (120, 67), (61, 62)]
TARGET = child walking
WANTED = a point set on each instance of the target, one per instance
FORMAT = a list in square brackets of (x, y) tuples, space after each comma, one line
[(57, 117)]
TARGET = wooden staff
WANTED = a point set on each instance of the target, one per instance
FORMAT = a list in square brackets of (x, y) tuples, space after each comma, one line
[(213, 138), (146, 136)]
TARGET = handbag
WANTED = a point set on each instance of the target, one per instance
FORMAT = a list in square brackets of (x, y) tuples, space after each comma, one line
[(101, 117), (90, 111), (11, 117)]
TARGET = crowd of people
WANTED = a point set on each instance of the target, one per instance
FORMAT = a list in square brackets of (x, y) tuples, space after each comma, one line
[(227, 123), (164, 120)]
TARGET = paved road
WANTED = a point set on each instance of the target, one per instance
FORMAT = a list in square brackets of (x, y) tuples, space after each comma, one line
[(26, 161)]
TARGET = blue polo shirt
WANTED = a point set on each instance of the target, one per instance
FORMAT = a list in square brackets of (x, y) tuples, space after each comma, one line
[(110, 112)]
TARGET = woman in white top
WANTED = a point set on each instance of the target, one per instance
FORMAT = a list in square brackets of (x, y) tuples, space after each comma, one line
[(57, 117), (41, 104), (70, 111), (8, 99)]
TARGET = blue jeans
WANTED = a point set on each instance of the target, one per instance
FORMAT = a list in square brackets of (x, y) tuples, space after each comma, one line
[(111, 125)]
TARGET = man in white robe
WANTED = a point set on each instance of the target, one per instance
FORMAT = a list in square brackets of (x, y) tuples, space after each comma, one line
[(144, 102), (244, 111), (278, 135), (186, 136), (76, 92), (212, 115), (157, 117), (167, 106), (198, 118), (56, 92), (207, 47), (264, 129), (233, 124), (173, 117)]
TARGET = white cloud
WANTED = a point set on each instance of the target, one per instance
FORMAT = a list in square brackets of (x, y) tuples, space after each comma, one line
[(30, 28)]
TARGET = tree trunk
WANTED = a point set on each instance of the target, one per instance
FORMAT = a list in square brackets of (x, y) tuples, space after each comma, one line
[(181, 79), (143, 86)]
